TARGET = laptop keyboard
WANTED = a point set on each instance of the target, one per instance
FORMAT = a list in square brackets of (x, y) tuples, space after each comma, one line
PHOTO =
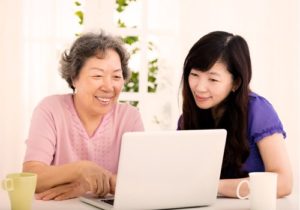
[(109, 201)]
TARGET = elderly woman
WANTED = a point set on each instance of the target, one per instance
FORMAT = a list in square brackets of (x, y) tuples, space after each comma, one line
[(74, 139)]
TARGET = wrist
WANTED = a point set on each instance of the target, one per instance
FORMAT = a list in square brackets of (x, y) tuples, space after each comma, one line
[(78, 169), (220, 188)]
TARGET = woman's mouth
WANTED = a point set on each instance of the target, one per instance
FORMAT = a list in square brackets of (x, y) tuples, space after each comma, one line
[(103, 100), (202, 98)]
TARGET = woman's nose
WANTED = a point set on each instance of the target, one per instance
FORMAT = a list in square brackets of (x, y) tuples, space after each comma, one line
[(107, 84), (201, 86)]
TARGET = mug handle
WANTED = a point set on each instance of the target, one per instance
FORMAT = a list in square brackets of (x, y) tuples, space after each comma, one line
[(238, 190), (8, 184)]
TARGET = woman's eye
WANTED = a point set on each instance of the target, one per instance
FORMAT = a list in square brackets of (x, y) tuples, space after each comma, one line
[(193, 74), (213, 80), (97, 76), (117, 77)]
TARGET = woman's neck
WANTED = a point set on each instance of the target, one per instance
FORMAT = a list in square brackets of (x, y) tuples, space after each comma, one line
[(90, 121)]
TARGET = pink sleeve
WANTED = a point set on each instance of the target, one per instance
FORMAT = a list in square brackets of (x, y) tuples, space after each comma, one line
[(42, 135), (128, 119), (138, 123), (133, 119)]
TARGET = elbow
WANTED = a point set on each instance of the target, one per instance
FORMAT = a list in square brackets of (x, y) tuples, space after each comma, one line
[(284, 189), (34, 169)]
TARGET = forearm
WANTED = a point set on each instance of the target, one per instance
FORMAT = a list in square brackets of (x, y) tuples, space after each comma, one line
[(51, 176), (227, 187)]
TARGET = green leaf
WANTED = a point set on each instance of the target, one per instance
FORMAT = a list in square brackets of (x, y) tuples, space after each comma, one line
[(133, 103), (80, 15), (130, 39), (133, 84), (121, 24), (151, 79), (121, 5), (154, 61), (77, 3)]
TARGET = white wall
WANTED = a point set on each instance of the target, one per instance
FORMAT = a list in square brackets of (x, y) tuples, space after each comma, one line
[(11, 113), (28, 67), (271, 28)]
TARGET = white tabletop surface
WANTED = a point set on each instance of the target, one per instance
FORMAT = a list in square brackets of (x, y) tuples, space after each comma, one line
[(289, 203)]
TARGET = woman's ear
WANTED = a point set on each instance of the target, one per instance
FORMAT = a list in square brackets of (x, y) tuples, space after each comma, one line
[(236, 84), (74, 84), (74, 81)]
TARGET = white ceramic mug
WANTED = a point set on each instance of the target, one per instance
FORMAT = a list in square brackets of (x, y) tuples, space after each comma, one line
[(262, 190)]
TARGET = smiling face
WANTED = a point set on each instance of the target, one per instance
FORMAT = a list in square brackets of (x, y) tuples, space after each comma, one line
[(211, 87), (99, 84)]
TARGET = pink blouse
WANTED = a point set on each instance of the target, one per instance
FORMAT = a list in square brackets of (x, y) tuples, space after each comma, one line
[(57, 136)]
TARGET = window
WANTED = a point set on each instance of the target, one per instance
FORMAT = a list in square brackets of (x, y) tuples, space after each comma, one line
[(154, 84), (48, 28)]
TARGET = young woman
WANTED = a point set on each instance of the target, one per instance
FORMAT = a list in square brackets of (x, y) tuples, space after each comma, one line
[(74, 139), (216, 94)]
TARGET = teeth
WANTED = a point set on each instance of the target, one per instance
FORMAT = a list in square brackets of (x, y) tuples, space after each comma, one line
[(103, 99)]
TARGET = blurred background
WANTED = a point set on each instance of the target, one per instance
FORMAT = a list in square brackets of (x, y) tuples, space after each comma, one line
[(158, 34)]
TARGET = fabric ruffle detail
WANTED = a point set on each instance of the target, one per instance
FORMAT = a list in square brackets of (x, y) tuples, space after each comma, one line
[(268, 132)]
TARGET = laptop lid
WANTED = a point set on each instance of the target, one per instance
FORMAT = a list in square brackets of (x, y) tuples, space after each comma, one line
[(169, 169)]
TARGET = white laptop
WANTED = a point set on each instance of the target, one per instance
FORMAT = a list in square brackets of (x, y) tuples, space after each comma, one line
[(166, 169)]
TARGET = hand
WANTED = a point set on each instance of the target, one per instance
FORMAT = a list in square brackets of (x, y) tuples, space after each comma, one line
[(95, 177), (112, 183), (62, 192)]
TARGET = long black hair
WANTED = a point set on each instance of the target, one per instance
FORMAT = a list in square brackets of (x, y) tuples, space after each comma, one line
[(232, 51)]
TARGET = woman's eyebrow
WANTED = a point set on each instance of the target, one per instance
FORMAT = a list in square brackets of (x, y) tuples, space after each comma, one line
[(102, 70), (96, 68)]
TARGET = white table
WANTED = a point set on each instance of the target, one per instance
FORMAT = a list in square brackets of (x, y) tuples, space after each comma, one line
[(289, 203)]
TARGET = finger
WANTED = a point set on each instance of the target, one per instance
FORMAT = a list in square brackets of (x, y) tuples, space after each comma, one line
[(67, 195), (105, 185), (39, 196), (86, 185), (90, 185), (54, 192), (112, 184), (51, 194), (95, 186), (99, 185), (73, 192), (44, 195)]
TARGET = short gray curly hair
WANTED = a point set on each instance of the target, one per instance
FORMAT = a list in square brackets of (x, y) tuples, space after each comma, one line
[(86, 46)]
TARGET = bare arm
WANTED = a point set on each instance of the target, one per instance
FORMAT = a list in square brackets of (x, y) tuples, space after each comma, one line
[(227, 187), (275, 158), (50, 176), (90, 176)]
